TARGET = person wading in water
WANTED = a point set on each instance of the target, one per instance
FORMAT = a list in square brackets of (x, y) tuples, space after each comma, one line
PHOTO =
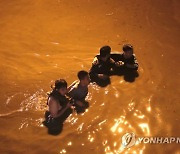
[(59, 106)]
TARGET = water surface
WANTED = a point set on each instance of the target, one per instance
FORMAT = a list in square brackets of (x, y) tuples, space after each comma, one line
[(43, 40)]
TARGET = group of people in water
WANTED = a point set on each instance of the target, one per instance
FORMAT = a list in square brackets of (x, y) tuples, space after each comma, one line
[(62, 100)]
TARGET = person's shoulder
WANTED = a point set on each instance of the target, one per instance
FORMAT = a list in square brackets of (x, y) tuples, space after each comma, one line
[(75, 86), (96, 60), (72, 84), (134, 55), (97, 56)]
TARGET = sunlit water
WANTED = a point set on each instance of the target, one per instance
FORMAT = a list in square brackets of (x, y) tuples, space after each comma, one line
[(43, 40)]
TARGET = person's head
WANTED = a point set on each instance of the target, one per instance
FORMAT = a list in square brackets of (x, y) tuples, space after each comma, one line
[(128, 50), (105, 53), (61, 86), (83, 77)]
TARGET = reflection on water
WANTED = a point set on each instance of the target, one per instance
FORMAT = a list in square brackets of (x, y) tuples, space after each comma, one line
[(36, 102), (42, 41), (122, 126)]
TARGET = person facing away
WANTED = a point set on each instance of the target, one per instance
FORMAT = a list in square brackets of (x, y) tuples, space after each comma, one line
[(78, 91), (102, 66), (57, 101), (127, 58)]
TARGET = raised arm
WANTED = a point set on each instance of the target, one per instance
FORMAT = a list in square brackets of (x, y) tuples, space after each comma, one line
[(70, 87)]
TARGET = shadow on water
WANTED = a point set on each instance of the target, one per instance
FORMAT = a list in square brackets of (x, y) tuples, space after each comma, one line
[(101, 82), (129, 76)]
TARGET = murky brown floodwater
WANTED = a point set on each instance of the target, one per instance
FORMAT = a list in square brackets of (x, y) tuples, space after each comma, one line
[(43, 40)]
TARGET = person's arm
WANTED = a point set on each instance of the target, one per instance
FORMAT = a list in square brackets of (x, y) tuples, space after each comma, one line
[(61, 112), (70, 87), (55, 108), (134, 64), (116, 64), (94, 71), (72, 92), (95, 61)]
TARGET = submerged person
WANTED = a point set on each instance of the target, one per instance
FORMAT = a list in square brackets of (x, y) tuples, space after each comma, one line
[(79, 90), (59, 105), (127, 62), (102, 66)]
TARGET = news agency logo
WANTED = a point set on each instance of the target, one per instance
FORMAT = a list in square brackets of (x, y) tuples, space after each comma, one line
[(129, 140)]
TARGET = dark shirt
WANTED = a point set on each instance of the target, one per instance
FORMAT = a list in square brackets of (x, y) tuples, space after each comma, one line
[(120, 57), (78, 92), (101, 67)]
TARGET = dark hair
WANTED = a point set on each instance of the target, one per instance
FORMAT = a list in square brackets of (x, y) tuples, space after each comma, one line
[(105, 50), (61, 83), (127, 47), (82, 74)]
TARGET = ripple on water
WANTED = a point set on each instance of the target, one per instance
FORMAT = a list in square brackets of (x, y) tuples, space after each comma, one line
[(36, 102)]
